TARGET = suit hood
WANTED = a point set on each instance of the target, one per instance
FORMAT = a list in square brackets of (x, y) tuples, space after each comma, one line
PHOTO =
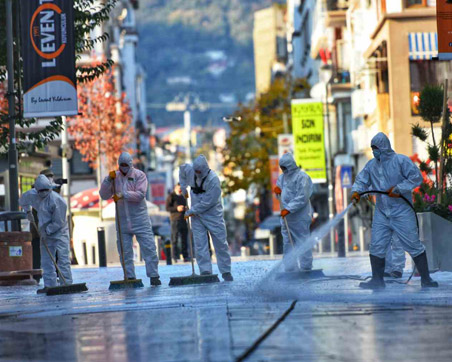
[(381, 141), (125, 158), (288, 162), (43, 183), (201, 164)]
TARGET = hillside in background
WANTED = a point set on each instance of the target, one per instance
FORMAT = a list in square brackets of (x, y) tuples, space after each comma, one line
[(200, 46)]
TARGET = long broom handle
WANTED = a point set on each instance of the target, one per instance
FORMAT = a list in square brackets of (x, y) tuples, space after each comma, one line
[(118, 226), (60, 274), (190, 239)]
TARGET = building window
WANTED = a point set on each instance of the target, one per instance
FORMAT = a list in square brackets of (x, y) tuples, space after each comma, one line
[(419, 3), (78, 166), (423, 72), (25, 184)]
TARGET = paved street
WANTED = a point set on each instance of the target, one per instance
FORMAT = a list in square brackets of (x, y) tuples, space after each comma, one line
[(333, 320)]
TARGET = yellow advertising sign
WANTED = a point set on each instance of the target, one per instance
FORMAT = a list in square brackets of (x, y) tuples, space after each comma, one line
[(309, 138)]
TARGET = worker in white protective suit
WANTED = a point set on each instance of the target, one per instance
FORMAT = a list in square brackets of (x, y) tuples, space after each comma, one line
[(397, 175), (131, 186), (53, 228), (294, 187), (206, 212), (395, 259)]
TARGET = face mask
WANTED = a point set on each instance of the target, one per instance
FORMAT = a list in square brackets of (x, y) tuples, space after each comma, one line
[(124, 170), (50, 178), (43, 193), (377, 153)]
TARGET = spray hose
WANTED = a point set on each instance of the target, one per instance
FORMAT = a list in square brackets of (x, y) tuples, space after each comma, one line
[(415, 214), (401, 196)]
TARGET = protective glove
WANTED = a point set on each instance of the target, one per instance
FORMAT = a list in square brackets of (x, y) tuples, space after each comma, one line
[(285, 212), (188, 214), (277, 190), (355, 198), (117, 197), (112, 175), (30, 217), (391, 192)]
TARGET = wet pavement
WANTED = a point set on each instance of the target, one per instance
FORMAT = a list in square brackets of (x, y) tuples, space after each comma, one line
[(333, 320)]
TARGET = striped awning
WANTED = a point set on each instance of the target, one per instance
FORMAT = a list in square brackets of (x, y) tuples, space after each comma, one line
[(423, 45)]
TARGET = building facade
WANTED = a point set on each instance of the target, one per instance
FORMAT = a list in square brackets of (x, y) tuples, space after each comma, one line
[(270, 46)]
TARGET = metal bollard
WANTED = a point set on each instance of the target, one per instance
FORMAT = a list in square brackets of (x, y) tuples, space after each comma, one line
[(101, 247), (168, 252)]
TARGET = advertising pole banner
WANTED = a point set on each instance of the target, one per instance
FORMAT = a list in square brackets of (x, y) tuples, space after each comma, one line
[(285, 144), (444, 25), (309, 138), (274, 174), (157, 187), (48, 52)]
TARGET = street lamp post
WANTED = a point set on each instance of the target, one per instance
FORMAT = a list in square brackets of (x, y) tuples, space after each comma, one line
[(327, 73), (12, 150)]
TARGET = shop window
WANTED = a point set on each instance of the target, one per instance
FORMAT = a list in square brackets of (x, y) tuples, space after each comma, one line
[(25, 184), (423, 72), (419, 3), (2, 195), (78, 166)]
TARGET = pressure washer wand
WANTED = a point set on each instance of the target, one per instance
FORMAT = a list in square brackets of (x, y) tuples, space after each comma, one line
[(288, 229)]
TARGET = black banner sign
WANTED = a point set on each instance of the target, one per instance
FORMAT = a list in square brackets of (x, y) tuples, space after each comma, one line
[(48, 52)]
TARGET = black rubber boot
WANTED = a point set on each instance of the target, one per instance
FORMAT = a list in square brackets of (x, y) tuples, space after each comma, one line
[(155, 281), (227, 277), (378, 269), (422, 267)]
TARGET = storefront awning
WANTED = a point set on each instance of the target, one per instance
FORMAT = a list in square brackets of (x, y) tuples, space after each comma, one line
[(423, 46)]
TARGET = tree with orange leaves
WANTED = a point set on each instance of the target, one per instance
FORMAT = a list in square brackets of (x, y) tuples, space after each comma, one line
[(104, 127)]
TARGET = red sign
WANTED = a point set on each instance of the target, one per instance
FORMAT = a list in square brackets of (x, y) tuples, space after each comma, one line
[(274, 174), (444, 24)]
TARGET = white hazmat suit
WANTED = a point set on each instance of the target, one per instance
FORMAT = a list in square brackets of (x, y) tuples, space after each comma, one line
[(393, 216), (131, 186), (395, 258), (296, 190), (53, 227), (207, 212)]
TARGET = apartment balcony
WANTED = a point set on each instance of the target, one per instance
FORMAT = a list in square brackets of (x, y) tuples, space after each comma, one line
[(336, 12), (340, 83)]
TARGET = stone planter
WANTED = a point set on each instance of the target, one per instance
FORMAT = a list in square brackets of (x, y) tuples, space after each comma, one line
[(435, 233)]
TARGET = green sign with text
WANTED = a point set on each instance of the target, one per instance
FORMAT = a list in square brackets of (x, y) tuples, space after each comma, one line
[(309, 138)]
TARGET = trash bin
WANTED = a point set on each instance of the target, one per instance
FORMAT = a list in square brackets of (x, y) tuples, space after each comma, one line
[(15, 246)]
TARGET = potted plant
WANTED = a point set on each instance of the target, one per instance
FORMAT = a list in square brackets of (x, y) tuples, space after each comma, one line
[(433, 199)]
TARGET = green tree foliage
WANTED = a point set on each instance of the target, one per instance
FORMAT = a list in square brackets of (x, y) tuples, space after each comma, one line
[(254, 138), (430, 109), (88, 14), (433, 196)]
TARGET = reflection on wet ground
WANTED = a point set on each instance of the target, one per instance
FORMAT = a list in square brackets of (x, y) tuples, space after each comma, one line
[(332, 320)]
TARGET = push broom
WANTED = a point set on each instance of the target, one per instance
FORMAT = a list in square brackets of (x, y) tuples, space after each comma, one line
[(126, 283), (193, 278)]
